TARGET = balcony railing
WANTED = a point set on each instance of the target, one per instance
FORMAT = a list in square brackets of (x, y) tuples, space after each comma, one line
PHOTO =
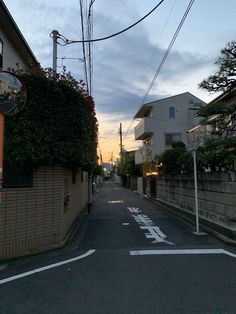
[(144, 129)]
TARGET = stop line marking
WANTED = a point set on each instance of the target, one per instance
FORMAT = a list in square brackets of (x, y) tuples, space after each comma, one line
[(182, 252)]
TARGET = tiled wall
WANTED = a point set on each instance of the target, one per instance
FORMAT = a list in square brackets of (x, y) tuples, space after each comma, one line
[(34, 219)]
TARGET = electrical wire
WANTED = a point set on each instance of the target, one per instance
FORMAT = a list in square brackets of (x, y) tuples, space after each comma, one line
[(160, 36), (164, 58), (167, 51), (68, 42)]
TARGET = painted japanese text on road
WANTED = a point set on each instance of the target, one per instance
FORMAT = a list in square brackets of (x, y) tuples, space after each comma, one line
[(152, 231)]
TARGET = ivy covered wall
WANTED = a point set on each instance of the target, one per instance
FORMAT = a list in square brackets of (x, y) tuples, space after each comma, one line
[(58, 124)]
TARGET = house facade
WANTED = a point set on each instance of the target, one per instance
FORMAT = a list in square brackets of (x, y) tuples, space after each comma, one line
[(13, 46), (198, 134), (163, 122)]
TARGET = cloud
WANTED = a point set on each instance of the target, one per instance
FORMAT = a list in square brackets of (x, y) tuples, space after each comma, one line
[(124, 65)]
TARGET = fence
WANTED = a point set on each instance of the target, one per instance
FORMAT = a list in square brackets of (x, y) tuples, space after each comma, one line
[(216, 198)]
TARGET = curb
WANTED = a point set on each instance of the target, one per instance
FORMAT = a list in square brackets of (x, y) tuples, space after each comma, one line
[(189, 221)]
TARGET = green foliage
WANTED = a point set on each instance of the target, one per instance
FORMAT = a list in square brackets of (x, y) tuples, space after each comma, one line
[(224, 78), (223, 125), (127, 166), (216, 155), (57, 125), (98, 170), (175, 160)]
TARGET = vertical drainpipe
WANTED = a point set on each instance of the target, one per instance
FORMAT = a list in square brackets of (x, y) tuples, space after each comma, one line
[(90, 193)]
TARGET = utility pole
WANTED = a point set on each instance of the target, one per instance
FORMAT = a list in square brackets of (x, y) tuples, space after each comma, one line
[(121, 145), (121, 154), (55, 35)]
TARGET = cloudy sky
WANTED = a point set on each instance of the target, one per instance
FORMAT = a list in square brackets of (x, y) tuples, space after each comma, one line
[(123, 66)]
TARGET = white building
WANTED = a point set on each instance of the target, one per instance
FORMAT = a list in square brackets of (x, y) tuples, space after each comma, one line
[(163, 122), (13, 47)]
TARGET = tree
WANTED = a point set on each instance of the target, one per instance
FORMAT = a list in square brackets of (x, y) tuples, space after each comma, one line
[(127, 167), (175, 160), (215, 156), (223, 109), (224, 78)]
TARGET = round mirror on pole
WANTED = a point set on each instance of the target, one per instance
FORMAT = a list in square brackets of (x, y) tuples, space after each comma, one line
[(12, 93)]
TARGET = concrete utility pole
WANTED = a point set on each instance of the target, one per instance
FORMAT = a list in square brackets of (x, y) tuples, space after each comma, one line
[(121, 145), (55, 35)]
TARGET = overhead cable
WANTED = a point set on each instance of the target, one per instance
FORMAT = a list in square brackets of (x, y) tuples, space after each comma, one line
[(66, 41), (164, 58), (167, 51)]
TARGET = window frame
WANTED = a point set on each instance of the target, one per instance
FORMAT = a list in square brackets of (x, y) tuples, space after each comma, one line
[(172, 112), (17, 178), (173, 134)]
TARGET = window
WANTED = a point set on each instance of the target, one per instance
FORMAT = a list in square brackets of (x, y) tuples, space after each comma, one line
[(1, 53), (14, 178), (171, 138), (172, 112)]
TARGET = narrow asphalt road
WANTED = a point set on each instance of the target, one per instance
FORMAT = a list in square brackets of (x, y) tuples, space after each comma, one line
[(128, 256)]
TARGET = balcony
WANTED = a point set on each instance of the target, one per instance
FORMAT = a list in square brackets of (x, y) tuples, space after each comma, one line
[(144, 129)]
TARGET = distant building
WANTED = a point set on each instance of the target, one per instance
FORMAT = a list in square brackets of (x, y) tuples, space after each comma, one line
[(163, 122), (13, 46)]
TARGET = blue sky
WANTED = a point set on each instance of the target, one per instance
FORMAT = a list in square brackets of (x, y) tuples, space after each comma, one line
[(124, 66)]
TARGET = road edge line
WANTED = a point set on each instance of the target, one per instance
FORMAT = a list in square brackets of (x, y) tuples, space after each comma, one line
[(41, 269)]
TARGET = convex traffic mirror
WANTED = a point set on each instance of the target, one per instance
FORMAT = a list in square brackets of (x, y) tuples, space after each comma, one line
[(12, 93)]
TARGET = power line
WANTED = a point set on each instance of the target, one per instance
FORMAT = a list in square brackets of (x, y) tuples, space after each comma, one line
[(164, 57), (167, 51), (67, 41)]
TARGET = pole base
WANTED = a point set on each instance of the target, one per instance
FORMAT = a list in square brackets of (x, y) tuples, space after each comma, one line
[(199, 233)]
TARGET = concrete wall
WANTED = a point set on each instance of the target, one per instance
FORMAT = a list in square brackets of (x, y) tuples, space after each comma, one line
[(36, 218), (140, 189), (216, 197)]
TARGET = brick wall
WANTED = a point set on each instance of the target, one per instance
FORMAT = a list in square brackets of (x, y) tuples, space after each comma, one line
[(35, 218)]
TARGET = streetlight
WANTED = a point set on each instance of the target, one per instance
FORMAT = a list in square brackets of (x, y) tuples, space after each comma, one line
[(12, 100)]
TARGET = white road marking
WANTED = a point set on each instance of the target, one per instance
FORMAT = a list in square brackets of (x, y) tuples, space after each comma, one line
[(134, 210), (154, 232), (116, 202), (182, 252), (143, 219), (38, 270)]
